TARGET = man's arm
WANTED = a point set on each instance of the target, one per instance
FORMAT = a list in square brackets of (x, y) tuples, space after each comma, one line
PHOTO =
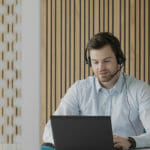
[(143, 140), (67, 106)]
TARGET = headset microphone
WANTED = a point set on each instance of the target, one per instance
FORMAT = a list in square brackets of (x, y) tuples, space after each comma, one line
[(116, 71)]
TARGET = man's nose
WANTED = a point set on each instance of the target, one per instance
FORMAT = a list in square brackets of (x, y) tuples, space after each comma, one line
[(100, 66)]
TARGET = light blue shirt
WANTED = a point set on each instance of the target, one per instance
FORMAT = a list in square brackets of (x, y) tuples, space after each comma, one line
[(128, 104)]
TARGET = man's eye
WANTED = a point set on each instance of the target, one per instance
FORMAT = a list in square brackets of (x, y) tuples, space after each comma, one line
[(107, 61), (95, 62)]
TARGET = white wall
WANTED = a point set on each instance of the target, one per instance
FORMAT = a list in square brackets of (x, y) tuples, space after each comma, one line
[(31, 74)]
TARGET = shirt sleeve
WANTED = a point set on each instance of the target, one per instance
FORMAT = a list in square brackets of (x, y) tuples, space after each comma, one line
[(68, 106), (143, 140)]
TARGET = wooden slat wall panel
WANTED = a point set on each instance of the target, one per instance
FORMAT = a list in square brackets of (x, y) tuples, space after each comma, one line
[(67, 25)]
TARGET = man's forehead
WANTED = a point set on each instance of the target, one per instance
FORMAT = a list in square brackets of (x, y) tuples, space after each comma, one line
[(105, 58), (101, 53)]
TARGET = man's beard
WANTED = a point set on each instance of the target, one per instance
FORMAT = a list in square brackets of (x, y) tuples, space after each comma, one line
[(108, 77), (105, 79)]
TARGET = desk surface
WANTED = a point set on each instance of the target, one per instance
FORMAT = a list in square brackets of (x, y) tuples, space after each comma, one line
[(142, 149), (48, 148)]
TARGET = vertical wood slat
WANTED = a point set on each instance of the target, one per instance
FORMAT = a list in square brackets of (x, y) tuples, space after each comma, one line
[(106, 15), (72, 41), (148, 16), (142, 40), (96, 16), (122, 25), (67, 44), (101, 15), (75, 22), (77, 42), (110, 15), (146, 42), (63, 47), (127, 36), (58, 38), (44, 87), (86, 30), (91, 33), (44, 81), (82, 39), (117, 18), (48, 59), (132, 37), (137, 40)]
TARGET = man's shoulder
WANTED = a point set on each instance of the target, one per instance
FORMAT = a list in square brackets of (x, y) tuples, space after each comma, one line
[(82, 85), (88, 80), (86, 83), (134, 82)]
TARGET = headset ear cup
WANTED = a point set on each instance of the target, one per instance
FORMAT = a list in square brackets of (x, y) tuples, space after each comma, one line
[(89, 61), (121, 58), (85, 56), (120, 61)]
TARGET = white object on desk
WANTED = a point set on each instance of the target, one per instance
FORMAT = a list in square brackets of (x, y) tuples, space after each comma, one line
[(142, 149)]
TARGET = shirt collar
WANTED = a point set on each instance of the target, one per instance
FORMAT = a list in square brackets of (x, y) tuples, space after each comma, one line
[(117, 87), (119, 84), (98, 85)]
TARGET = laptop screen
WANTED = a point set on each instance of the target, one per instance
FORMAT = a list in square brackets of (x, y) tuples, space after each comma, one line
[(82, 132)]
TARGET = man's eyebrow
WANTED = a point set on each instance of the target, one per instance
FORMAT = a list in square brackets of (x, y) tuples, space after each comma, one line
[(108, 58), (103, 59)]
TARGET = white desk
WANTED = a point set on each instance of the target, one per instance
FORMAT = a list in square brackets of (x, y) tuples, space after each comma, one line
[(142, 149)]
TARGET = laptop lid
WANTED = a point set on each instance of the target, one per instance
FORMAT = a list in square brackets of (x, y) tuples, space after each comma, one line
[(82, 132)]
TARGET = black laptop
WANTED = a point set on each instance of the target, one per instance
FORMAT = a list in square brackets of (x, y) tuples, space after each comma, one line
[(82, 132)]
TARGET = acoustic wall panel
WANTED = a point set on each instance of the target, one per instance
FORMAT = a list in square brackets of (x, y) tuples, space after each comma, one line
[(10, 74), (67, 25)]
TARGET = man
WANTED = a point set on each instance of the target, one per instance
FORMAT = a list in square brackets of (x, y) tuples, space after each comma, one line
[(110, 92)]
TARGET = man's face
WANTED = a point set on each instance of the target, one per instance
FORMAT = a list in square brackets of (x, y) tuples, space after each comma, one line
[(104, 63)]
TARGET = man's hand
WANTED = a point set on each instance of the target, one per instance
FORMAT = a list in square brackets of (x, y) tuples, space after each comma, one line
[(120, 142)]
